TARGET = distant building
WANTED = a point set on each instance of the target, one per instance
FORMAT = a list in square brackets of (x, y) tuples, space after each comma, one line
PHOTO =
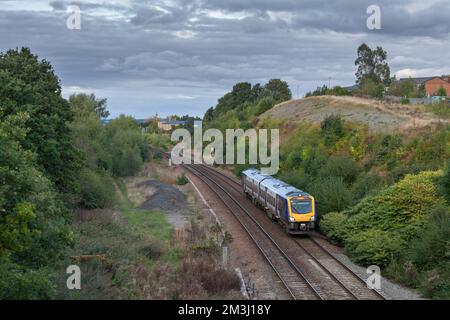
[(168, 124), (431, 84)]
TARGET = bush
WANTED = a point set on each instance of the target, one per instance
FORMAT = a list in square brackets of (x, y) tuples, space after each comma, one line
[(366, 184), (332, 125), (404, 101), (340, 166), (333, 224), (398, 212), (182, 179), (432, 247), (445, 182), (331, 194), (19, 283), (96, 189), (374, 246)]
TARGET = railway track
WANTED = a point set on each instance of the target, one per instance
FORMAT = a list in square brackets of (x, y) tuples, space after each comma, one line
[(293, 279), (332, 279)]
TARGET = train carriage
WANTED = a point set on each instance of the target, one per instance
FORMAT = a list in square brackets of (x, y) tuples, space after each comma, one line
[(293, 208)]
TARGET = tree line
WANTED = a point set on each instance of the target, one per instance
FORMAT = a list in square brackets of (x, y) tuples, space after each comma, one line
[(55, 156)]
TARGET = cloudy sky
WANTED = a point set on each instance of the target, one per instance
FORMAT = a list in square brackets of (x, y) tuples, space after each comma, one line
[(180, 56)]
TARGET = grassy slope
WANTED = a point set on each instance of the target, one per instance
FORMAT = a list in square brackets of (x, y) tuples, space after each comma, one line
[(377, 115)]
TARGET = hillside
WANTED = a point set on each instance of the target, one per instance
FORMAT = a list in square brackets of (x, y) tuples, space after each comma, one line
[(379, 116)]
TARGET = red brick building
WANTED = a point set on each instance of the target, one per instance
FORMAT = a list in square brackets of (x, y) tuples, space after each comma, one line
[(432, 85)]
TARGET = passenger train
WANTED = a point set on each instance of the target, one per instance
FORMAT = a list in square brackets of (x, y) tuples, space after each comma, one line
[(291, 207)]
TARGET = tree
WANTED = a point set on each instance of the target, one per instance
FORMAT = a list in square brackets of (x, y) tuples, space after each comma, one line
[(372, 65), (278, 90), (209, 114), (30, 86), (441, 92), (90, 103)]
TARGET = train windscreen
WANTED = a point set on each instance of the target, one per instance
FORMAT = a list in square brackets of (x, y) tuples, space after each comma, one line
[(301, 206)]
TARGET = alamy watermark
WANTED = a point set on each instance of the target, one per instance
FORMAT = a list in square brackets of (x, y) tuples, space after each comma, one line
[(373, 281), (74, 280), (73, 22), (190, 150), (374, 20)]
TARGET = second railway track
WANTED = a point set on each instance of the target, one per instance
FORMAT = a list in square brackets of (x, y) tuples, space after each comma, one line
[(318, 273)]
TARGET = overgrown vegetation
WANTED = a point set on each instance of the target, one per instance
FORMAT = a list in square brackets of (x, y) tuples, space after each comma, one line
[(55, 155), (118, 148), (240, 107), (405, 228), (182, 179)]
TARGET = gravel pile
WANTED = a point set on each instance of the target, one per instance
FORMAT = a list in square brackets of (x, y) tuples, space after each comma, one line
[(168, 199)]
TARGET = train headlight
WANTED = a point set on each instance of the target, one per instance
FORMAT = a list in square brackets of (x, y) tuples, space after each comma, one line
[(291, 219), (312, 218)]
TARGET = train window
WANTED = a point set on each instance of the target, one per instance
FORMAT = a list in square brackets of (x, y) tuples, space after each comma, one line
[(301, 205)]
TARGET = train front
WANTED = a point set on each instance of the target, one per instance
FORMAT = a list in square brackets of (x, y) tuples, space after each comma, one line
[(302, 214)]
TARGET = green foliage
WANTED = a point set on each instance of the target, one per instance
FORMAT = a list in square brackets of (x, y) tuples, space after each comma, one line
[(34, 228), (237, 108), (324, 90), (331, 194), (369, 87), (159, 141), (30, 86), (340, 166), (445, 182), (97, 189), (441, 92), (406, 89), (123, 139), (19, 283), (366, 184), (425, 264), (380, 226), (278, 90), (332, 128), (182, 179), (372, 65)]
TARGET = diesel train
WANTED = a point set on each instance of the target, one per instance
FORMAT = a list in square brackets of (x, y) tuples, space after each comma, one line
[(291, 207)]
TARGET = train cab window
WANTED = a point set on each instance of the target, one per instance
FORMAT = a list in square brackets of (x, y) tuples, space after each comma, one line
[(301, 206)]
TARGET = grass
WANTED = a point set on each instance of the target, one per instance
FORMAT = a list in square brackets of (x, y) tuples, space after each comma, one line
[(133, 244), (441, 109)]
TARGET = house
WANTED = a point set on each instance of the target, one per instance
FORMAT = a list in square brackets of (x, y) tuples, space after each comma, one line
[(168, 124), (431, 84)]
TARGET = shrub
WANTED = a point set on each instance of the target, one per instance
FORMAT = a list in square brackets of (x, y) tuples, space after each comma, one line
[(264, 105), (445, 182), (374, 246), (96, 189), (333, 224), (340, 166), (331, 194), (293, 159), (182, 179), (398, 212), (366, 184), (332, 125), (17, 282), (432, 247)]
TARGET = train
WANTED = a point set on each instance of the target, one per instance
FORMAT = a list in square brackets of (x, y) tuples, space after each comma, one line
[(291, 207)]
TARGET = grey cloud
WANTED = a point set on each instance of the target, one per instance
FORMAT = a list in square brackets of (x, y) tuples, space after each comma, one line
[(139, 56)]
